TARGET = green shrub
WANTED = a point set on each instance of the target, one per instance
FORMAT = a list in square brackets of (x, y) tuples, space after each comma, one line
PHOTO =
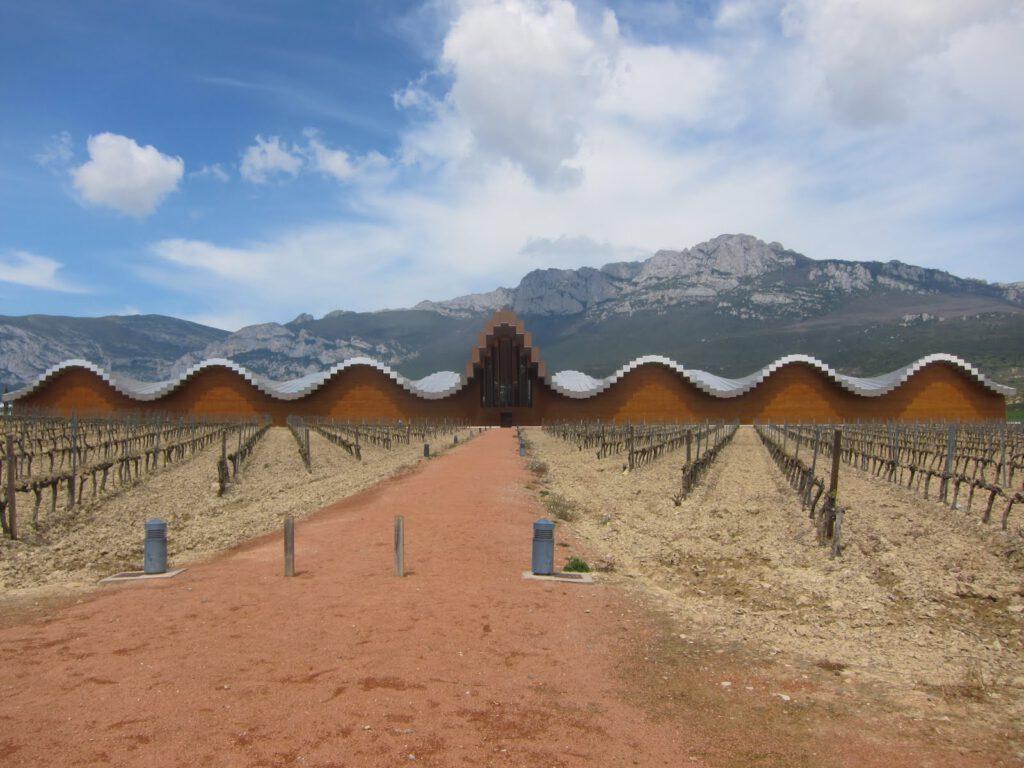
[(576, 565)]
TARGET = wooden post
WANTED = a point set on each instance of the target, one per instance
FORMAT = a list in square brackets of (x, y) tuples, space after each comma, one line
[(12, 513), (950, 450), (833, 484), (74, 459), (1004, 480), (289, 546), (814, 464), (837, 448), (399, 545)]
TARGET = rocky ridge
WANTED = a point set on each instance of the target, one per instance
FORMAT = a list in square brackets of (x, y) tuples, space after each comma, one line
[(739, 274)]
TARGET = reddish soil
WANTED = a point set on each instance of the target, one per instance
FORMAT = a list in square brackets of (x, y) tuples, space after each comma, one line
[(462, 662)]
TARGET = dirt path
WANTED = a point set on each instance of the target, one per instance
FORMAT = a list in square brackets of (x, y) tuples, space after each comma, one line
[(920, 616), (461, 663)]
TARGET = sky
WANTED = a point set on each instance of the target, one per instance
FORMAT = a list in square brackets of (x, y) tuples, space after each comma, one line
[(242, 162)]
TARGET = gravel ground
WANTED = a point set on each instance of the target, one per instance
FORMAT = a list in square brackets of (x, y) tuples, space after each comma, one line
[(461, 663), (922, 602), (105, 536)]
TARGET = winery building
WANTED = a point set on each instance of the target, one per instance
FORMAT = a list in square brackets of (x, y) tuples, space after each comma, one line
[(506, 382)]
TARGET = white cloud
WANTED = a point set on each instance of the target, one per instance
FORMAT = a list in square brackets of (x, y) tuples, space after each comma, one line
[(215, 171), (124, 176), (873, 54), (525, 78), (28, 269), (656, 83), (332, 162), (272, 157), (58, 151), (269, 158)]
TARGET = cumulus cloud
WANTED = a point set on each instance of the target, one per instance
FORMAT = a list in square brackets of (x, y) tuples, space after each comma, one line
[(124, 176), (525, 79), (33, 271), (270, 158)]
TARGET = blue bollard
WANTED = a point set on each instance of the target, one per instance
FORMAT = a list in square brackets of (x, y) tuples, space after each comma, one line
[(156, 547), (522, 448), (426, 450), (543, 547)]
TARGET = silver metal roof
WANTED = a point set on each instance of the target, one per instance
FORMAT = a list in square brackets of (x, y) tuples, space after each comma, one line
[(579, 385), (574, 384)]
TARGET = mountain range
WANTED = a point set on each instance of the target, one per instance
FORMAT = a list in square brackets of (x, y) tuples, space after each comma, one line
[(729, 305)]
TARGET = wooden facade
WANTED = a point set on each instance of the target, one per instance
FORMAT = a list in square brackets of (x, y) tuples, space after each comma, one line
[(506, 383)]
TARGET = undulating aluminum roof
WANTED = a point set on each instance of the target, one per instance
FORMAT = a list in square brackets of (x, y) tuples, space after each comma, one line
[(574, 384)]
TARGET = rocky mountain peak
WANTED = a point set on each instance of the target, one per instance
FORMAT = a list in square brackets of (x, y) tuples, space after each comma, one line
[(737, 256), (473, 303)]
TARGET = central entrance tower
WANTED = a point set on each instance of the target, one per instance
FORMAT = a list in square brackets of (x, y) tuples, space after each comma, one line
[(505, 372), (506, 368)]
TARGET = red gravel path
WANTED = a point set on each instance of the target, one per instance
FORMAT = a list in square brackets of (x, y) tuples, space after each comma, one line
[(462, 663)]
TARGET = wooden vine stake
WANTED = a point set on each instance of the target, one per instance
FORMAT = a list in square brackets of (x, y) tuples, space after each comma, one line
[(12, 513), (950, 451), (826, 527)]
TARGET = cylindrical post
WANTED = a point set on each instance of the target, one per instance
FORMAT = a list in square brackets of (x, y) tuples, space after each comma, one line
[(522, 448), (543, 560), (426, 450), (156, 547), (289, 546), (399, 545), (12, 513)]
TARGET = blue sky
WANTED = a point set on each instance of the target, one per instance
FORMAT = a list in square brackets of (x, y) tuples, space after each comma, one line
[(243, 162)]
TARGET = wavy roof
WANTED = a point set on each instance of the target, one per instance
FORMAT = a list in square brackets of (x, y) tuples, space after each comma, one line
[(579, 385), (574, 384)]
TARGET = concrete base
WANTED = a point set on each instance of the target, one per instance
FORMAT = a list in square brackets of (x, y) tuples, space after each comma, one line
[(571, 578), (141, 575)]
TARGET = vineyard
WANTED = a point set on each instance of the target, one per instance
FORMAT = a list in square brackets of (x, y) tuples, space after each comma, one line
[(920, 591), (86, 458), (644, 444), (76, 490), (960, 459)]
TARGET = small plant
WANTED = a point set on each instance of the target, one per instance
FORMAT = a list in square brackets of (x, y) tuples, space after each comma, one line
[(538, 467), (576, 565), (560, 507)]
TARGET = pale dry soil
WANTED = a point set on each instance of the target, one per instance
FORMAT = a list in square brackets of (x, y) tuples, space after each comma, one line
[(104, 536), (922, 615)]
